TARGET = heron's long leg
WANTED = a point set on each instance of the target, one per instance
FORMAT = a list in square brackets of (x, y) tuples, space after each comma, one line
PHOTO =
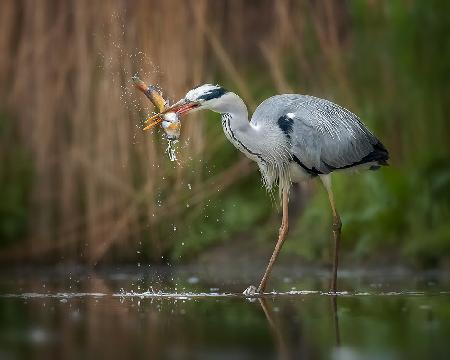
[(282, 235), (326, 180)]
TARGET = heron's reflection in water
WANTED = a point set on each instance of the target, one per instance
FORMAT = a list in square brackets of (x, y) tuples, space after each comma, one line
[(280, 339), (334, 311), (276, 330)]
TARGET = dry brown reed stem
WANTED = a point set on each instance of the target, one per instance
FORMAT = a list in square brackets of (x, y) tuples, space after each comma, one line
[(224, 59), (65, 76), (326, 29), (276, 69)]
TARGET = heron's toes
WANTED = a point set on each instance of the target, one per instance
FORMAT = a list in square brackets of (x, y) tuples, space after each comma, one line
[(250, 291)]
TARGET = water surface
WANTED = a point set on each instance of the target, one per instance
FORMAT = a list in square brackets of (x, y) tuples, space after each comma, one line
[(200, 313)]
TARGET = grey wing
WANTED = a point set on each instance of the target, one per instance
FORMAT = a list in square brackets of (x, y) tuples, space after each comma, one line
[(326, 137)]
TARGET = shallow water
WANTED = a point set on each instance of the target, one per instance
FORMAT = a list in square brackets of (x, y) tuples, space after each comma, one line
[(200, 313)]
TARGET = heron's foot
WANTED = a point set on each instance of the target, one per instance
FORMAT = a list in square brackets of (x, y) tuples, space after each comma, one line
[(250, 291)]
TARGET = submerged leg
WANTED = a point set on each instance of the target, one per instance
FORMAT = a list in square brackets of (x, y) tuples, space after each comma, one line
[(282, 235), (326, 180)]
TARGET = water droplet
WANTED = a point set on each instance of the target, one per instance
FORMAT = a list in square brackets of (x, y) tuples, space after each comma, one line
[(193, 280)]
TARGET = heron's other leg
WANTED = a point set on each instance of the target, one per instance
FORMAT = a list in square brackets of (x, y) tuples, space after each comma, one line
[(326, 180), (281, 236)]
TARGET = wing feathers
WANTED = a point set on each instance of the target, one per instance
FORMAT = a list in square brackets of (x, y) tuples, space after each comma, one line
[(328, 137), (324, 136)]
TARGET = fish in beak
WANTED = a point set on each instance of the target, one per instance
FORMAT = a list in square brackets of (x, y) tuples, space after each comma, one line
[(171, 125), (169, 117), (181, 107), (151, 92)]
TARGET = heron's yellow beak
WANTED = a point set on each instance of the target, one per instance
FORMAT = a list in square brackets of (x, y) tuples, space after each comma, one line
[(181, 107), (154, 120)]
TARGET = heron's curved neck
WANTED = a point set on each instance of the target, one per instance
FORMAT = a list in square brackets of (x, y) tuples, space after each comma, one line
[(232, 105), (256, 140), (237, 128)]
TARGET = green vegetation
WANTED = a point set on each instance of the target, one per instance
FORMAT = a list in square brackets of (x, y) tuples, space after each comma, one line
[(15, 183)]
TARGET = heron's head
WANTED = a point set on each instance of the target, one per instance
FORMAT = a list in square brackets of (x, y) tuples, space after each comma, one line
[(207, 96)]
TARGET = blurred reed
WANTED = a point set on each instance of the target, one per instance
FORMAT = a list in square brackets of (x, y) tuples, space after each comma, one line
[(97, 176)]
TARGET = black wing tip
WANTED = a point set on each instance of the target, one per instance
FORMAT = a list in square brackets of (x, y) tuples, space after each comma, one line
[(379, 154)]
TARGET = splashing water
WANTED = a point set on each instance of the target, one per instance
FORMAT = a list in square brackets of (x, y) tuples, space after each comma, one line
[(172, 149)]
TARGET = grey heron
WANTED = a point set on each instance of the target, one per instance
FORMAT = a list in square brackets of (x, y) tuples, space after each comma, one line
[(292, 138)]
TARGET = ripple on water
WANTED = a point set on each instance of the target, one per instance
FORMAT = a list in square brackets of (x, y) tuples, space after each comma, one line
[(197, 295)]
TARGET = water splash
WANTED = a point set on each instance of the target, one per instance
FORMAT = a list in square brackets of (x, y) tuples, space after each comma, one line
[(171, 149), (215, 293)]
